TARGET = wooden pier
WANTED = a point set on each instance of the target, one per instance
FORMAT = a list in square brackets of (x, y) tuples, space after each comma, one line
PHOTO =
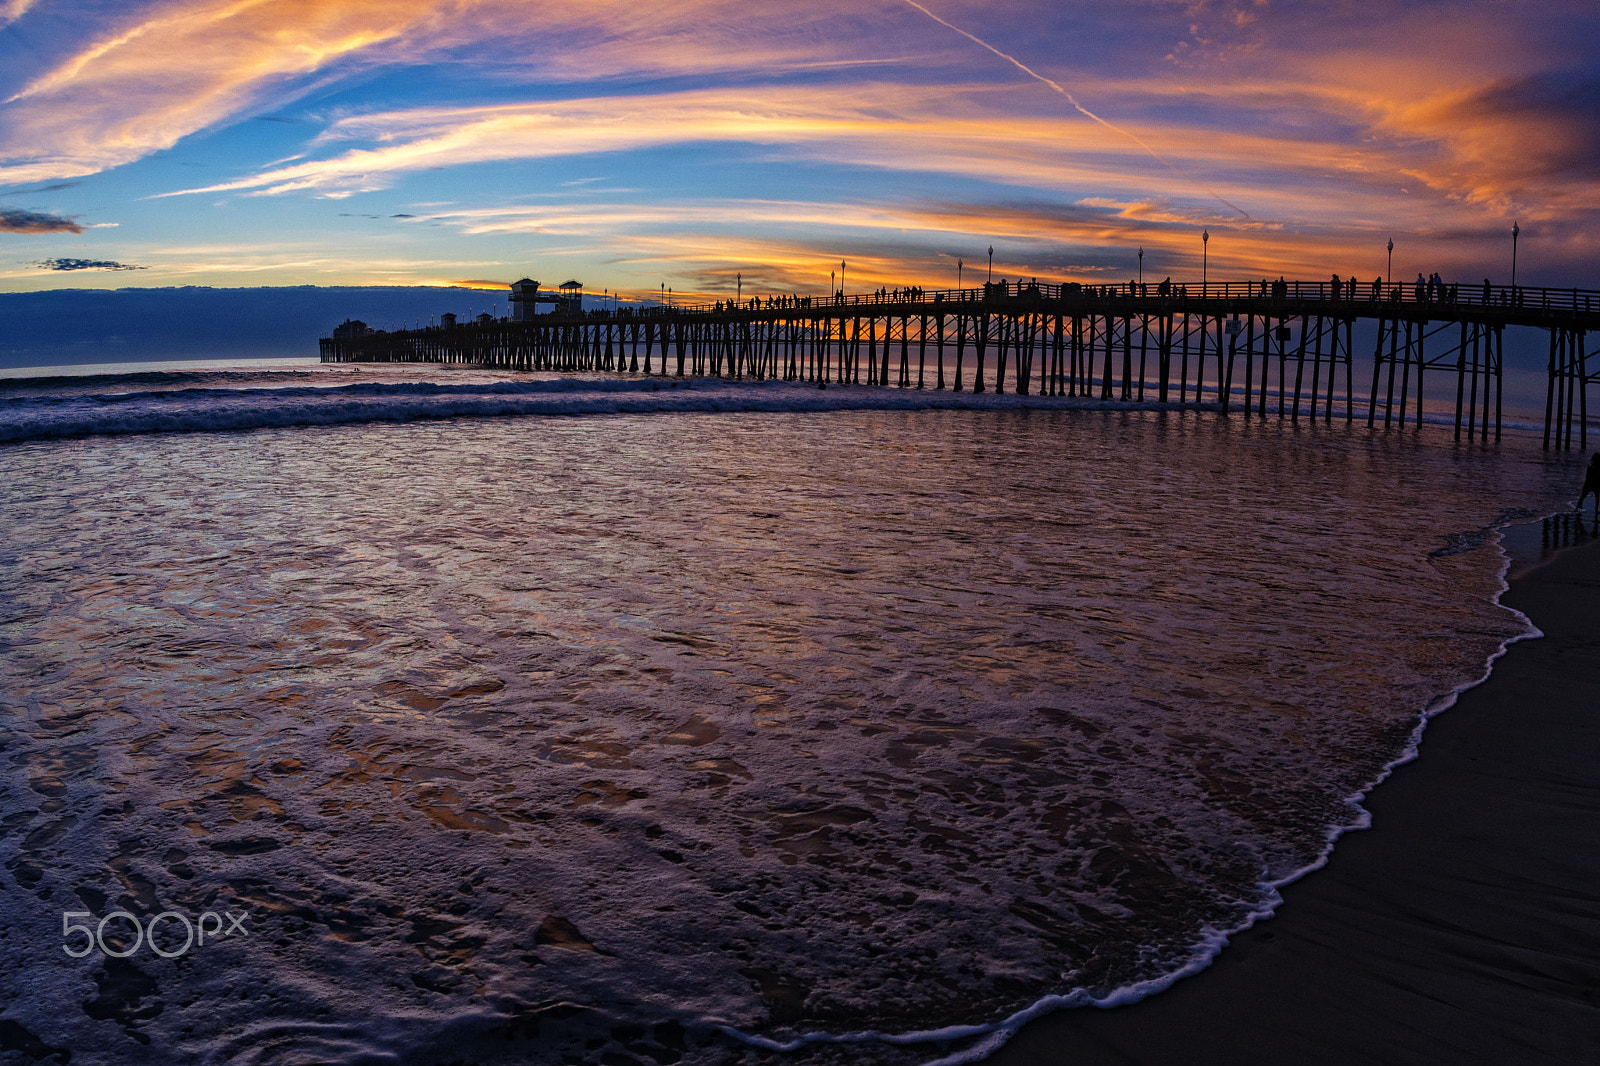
[(1285, 348)]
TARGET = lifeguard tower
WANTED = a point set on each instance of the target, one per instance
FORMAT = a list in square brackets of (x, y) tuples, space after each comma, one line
[(570, 302)]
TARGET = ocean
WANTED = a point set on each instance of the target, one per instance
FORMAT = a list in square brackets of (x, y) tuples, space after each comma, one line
[(430, 714)]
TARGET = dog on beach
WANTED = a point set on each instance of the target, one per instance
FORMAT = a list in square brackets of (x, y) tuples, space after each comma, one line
[(1591, 484)]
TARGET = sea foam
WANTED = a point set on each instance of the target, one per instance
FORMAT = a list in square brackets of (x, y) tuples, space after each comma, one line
[(862, 733)]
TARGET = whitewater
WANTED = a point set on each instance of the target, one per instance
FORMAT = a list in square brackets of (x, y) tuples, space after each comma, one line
[(537, 719)]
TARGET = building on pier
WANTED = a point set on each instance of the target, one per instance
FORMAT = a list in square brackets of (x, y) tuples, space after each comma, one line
[(526, 298)]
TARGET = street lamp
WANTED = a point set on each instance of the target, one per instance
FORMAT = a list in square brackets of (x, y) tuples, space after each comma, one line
[(1514, 232), (991, 263), (1205, 260), (833, 285), (841, 277), (739, 291), (1389, 271), (1141, 267)]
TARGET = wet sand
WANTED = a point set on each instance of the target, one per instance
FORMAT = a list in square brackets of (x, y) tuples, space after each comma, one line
[(1463, 927)]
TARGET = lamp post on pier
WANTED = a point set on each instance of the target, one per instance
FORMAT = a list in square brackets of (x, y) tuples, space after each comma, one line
[(958, 275), (991, 263), (841, 277), (1388, 272), (1514, 233), (1205, 261), (1141, 269), (739, 291)]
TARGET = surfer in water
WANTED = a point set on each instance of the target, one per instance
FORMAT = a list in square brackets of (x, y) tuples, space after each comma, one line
[(1591, 484)]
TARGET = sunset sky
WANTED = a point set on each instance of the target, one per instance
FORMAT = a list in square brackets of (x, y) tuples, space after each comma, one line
[(632, 145)]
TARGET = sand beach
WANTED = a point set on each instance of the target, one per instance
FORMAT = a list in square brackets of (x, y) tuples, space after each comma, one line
[(1463, 927)]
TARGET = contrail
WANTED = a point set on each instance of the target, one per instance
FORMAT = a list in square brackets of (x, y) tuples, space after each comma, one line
[(1035, 75)]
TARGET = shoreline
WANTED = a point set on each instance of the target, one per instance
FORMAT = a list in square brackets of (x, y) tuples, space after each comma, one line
[(1463, 926)]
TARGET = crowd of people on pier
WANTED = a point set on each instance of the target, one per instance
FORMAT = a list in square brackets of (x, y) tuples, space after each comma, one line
[(1431, 288), (1427, 289)]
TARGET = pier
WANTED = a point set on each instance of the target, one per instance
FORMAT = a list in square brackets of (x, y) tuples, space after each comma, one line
[(1284, 348)]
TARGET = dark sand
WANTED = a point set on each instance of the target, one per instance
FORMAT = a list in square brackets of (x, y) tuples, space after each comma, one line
[(1463, 927)]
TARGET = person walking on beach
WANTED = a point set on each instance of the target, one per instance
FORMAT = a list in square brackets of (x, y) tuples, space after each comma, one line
[(1591, 484)]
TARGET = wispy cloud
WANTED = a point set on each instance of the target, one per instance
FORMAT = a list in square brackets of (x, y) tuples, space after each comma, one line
[(57, 186), (12, 10), (1302, 175), (184, 67), (162, 73), (963, 129), (785, 243)]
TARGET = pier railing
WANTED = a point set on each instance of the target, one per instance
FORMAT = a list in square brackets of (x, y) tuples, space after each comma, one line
[(1370, 296)]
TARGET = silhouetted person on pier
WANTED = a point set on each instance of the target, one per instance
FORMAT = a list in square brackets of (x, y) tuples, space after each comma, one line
[(1377, 287), (1591, 485)]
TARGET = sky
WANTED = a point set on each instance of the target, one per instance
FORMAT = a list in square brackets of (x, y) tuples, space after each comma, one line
[(713, 146)]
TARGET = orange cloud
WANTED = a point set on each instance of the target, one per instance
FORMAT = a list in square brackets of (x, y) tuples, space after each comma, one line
[(1333, 125), (788, 245), (188, 65), (953, 129), (12, 10)]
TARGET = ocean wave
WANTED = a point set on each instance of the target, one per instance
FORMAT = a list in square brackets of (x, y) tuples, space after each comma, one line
[(148, 377), (221, 410)]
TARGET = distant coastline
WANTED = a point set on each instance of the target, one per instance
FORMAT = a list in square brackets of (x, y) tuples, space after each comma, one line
[(72, 327)]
